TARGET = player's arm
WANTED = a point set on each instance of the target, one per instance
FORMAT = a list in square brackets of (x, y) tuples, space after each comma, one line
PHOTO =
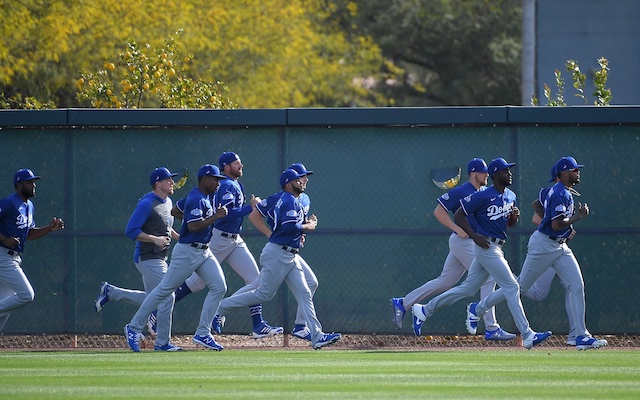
[(460, 218), (201, 223), (558, 224), (174, 234), (538, 210), (257, 220), (445, 220), (36, 233), (177, 209)]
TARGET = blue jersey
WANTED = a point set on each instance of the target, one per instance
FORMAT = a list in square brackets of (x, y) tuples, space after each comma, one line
[(288, 219), (558, 203), (152, 215), (265, 207), (197, 207), (450, 201), (230, 194), (491, 210), (16, 218)]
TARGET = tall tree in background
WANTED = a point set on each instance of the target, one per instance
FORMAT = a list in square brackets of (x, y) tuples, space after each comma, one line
[(452, 52)]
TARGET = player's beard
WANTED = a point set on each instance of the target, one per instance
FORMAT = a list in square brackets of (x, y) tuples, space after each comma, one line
[(28, 193)]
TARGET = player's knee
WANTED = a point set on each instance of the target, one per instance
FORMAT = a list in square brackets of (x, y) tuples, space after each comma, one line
[(26, 296)]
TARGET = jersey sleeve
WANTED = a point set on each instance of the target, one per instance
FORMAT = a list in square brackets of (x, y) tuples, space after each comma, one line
[(137, 219), (180, 204)]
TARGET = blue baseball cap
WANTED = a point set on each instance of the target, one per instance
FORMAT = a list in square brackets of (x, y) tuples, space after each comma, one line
[(300, 169), (554, 174), (23, 175), (288, 176), (498, 164), (477, 165), (227, 158), (159, 174), (567, 163), (209, 170)]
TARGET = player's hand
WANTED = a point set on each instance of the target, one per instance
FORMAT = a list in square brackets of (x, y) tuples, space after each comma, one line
[(160, 241), (10, 242), (583, 210), (482, 241), (572, 234), (56, 224), (254, 201)]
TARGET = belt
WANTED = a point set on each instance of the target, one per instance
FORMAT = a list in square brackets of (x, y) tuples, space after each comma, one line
[(290, 249), (497, 241), (12, 253), (558, 240), (200, 246), (229, 235)]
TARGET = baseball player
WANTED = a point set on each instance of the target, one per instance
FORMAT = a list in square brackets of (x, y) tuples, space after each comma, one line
[(226, 243), (190, 254), (265, 209), (151, 226), (548, 248), (280, 264), (493, 210), (17, 225), (460, 255)]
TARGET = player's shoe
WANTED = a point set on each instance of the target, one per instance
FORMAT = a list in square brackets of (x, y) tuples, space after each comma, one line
[(264, 330), (217, 324), (472, 318), (103, 296), (589, 342), (152, 323), (326, 340), (398, 311), (133, 338), (167, 347), (535, 338), (418, 318), (499, 334), (301, 332), (207, 341), (571, 341)]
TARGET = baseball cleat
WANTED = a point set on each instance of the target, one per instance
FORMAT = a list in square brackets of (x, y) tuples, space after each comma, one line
[(217, 324), (499, 334), (535, 338), (264, 330), (571, 341), (326, 340), (167, 347), (398, 311), (133, 338), (301, 332), (589, 342), (472, 318), (103, 296), (207, 341), (418, 318), (152, 323)]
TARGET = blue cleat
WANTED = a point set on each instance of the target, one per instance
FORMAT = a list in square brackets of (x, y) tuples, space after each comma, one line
[(264, 330), (535, 338), (103, 296), (301, 332), (326, 340), (589, 342), (217, 324), (499, 334), (472, 318), (398, 311), (133, 338), (207, 341), (152, 323), (167, 347), (418, 318)]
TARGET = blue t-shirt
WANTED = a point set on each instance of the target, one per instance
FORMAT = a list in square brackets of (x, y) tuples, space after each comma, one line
[(16, 218), (266, 206), (450, 201), (491, 210), (230, 194), (558, 203), (197, 207), (288, 219)]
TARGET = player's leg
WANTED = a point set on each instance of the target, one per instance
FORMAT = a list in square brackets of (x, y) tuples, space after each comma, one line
[(4, 292), (153, 271), (211, 272), (12, 277), (540, 288), (300, 329), (571, 337)]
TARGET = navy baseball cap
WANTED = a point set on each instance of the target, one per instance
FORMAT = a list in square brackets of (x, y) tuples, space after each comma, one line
[(554, 174), (209, 170), (477, 165), (498, 164), (288, 176), (567, 163), (227, 158), (159, 174), (300, 169), (24, 175)]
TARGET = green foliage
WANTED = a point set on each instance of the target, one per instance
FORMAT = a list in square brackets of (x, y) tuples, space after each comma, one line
[(28, 103), (602, 94), (143, 77)]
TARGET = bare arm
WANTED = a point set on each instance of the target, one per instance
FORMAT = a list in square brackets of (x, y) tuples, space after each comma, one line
[(36, 233), (559, 224), (538, 212), (461, 221), (445, 220), (199, 225), (258, 221)]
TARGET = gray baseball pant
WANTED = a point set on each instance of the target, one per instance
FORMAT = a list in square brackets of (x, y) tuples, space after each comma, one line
[(16, 286)]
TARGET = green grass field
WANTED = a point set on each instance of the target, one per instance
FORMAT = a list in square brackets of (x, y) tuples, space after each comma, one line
[(331, 374)]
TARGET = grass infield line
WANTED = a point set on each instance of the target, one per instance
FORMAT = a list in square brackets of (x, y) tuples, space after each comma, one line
[(335, 374)]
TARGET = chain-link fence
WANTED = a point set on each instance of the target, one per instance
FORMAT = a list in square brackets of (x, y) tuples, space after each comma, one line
[(373, 195)]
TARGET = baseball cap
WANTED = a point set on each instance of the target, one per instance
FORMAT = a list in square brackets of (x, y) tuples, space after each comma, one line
[(209, 170), (300, 169), (159, 174), (567, 163), (554, 174), (498, 164), (288, 176), (24, 175), (227, 158), (477, 165)]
